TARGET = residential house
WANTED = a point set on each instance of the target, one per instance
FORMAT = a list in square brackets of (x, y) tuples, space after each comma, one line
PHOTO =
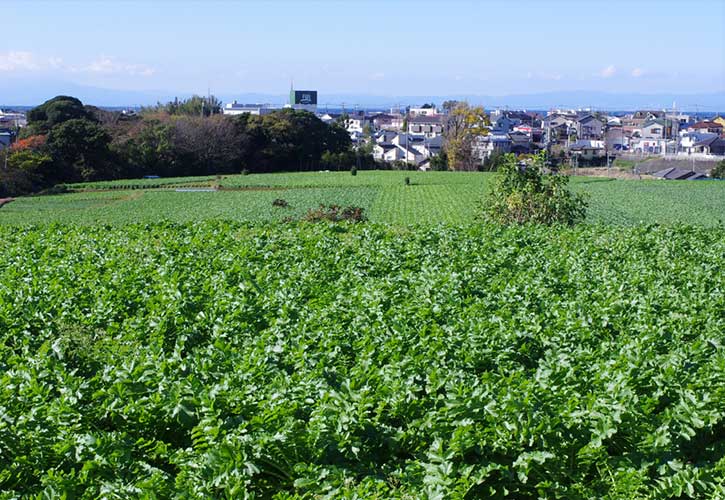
[(6, 138), (587, 149), (615, 140), (614, 121), (706, 126), (689, 140), (384, 136), (423, 111), (719, 120), (710, 146), (485, 145), (387, 152), (411, 154), (648, 145), (558, 127), (235, 108), (589, 127), (329, 118), (390, 146), (633, 122), (678, 174), (638, 118), (356, 122), (653, 129), (680, 119), (428, 146), (387, 121), (426, 125), (521, 143), (11, 119)]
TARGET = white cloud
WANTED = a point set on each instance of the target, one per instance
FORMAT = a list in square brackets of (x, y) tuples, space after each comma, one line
[(637, 72), (377, 76), (608, 72), (27, 61), (110, 66), (18, 61), (543, 76)]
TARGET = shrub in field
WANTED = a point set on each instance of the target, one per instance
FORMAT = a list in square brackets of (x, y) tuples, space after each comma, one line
[(407, 181), (335, 213), (279, 202), (719, 171), (523, 193), (353, 171)]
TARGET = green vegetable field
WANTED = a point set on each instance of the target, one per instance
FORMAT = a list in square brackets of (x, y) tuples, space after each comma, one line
[(222, 359), (431, 199)]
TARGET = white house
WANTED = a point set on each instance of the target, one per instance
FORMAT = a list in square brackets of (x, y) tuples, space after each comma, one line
[(485, 145), (689, 141), (423, 111), (387, 152), (355, 123), (235, 108), (648, 145)]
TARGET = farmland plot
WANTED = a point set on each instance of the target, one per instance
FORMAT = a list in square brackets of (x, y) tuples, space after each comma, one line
[(223, 360)]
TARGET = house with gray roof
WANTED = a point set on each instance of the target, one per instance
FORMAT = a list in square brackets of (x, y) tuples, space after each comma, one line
[(678, 174)]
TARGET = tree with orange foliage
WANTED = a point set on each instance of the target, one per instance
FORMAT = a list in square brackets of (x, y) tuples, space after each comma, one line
[(33, 142)]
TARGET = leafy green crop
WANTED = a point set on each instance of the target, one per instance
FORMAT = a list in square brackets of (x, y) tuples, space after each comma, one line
[(222, 360), (430, 199)]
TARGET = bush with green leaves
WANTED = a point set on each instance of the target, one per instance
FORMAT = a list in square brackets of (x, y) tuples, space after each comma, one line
[(719, 171), (523, 193)]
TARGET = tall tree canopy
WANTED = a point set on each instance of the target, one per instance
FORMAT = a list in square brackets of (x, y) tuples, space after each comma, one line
[(54, 112)]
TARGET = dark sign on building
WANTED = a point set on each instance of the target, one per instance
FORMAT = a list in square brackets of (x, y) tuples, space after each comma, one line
[(306, 97)]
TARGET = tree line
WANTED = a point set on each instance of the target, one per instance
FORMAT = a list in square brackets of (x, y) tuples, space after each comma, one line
[(66, 141)]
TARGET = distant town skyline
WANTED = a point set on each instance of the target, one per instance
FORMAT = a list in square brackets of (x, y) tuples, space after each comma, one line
[(375, 48)]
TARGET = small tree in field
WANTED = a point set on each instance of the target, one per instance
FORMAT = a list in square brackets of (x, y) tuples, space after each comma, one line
[(719, 171), (523, 193)]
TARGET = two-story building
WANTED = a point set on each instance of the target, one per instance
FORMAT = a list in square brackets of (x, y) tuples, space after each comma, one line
[(426, 125), (589, 127)]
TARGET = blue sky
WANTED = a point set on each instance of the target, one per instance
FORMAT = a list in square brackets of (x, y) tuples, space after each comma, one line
[(372, 47)]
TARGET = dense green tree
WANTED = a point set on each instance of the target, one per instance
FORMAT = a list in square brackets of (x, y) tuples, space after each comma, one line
[(80, 149), (147, 149), (55, 111), (252, 138), (297, 140), (26, 172), (193, 106), (179, 138)]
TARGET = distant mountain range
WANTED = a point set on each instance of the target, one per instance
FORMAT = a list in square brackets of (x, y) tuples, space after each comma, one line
[(31, 93)]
